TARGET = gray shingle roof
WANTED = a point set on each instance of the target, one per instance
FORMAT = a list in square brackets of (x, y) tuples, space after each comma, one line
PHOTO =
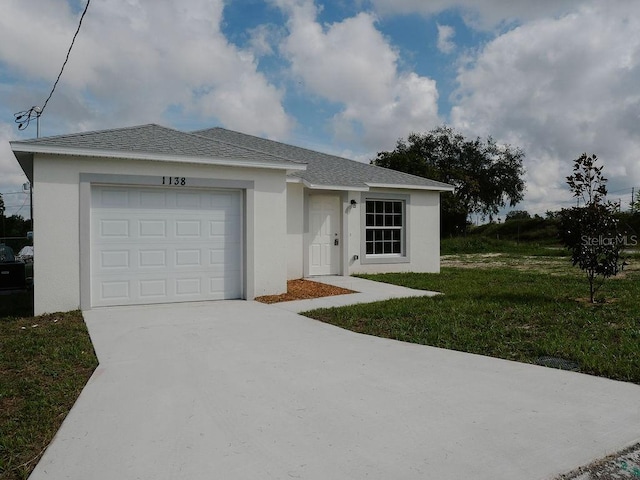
[(323, 169), (216, 144), (149, 140)]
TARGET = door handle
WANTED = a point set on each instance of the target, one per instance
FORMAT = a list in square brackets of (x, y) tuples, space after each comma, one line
[(336, 242)]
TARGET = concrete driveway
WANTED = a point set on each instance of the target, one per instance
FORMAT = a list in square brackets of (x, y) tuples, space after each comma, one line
[(241, 390)]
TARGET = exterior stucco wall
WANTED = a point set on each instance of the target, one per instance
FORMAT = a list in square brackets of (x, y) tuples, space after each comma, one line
[(57, 236), (423, 233), (295, 230)]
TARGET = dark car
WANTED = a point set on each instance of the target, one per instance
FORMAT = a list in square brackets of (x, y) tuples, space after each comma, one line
[(12, 270)]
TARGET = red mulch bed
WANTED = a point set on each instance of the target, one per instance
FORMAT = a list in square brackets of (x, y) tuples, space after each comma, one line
[(302, 289)]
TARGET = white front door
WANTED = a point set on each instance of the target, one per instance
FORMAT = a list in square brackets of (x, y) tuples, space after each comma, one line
[(325, 235)]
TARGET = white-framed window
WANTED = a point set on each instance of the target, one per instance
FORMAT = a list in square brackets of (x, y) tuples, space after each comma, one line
[(385, 227)]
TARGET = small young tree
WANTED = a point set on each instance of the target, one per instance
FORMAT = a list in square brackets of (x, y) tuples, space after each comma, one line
[(591, 232), (635, 204)]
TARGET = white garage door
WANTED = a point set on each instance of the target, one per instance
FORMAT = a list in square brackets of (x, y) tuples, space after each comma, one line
[(156, 245)]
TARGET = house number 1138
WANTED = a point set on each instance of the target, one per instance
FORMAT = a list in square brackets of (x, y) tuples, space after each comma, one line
[(181, 181)]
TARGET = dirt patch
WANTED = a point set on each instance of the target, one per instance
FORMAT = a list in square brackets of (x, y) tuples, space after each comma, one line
[(548, 265), (622, 465), (302, 289)]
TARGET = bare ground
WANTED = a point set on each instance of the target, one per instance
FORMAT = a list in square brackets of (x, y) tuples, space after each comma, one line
[(302, 289), (549, 265), (623, 465)]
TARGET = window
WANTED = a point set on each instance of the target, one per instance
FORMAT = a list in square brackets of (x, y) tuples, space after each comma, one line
[(384, 227)]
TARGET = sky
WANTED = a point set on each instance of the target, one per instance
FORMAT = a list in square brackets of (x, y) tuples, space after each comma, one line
[(554, 77)]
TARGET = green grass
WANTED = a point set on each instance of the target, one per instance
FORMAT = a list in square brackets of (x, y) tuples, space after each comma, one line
[(481, 244), (514, 312), (44, 364)]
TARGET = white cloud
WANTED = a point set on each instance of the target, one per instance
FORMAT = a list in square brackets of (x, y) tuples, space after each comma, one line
[(12, 177), (560, 87), (263, 38), (133, 60), (445, 38), (350, 63), (484, 14)]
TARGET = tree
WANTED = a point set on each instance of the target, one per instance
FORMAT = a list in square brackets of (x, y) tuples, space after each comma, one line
[(485, 175), (16, 226), (592, 232), (635, 204), (2, 210), (517, 215)]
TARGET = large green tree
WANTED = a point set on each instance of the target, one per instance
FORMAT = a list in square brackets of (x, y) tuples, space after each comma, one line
[(486, 175)]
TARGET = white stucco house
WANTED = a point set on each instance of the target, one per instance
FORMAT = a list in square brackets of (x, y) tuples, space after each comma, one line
[(150, 214)]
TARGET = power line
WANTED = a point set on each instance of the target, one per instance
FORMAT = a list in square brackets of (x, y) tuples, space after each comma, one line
[(24, 118)]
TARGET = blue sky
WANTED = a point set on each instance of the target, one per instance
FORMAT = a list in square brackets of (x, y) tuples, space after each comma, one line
[(554, 77)]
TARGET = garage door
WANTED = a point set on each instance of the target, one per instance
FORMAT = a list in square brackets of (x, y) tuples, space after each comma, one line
[(155, 245)]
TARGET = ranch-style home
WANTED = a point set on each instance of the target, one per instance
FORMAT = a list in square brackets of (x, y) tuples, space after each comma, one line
[(149, 214)]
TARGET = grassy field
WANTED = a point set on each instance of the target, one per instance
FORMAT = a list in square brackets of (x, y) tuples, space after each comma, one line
[(512, 306), (44, 364), (480, 244)]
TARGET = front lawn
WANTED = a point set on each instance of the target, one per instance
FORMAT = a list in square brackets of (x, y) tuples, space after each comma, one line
[(44, 364), (511, 307)]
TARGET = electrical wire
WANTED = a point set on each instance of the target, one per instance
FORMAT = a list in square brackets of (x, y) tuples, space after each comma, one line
[(19, 207), (24, 118), (22, 206)]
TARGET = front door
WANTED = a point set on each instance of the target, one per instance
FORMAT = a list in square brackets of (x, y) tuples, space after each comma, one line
[(325, 235)]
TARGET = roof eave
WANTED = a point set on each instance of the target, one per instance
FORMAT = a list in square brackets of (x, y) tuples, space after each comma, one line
[(25, 160), (346, 188), (434, 188), (23, 149)]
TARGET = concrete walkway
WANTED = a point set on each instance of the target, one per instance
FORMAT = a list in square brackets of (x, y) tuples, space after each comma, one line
[(367, 291), (241, 390)]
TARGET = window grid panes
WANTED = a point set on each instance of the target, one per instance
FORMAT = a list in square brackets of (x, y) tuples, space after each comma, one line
[(384, 227)]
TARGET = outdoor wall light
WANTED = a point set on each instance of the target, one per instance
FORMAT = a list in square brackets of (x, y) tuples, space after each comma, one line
[(353, 202)]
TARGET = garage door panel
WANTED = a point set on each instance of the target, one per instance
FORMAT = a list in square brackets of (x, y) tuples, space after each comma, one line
[(189, 200), (114, 198), (115, 259), (160, 246), (152, 229), (188, 286), (152, 258), (152, 199), (114, 228), (187, 228), (188, 258), (115, 290), (150, 289)]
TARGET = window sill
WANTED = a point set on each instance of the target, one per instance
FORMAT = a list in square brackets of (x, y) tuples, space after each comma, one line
[(377, 259)]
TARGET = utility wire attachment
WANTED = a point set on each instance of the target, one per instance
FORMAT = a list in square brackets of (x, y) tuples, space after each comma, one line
[(24, 118)]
